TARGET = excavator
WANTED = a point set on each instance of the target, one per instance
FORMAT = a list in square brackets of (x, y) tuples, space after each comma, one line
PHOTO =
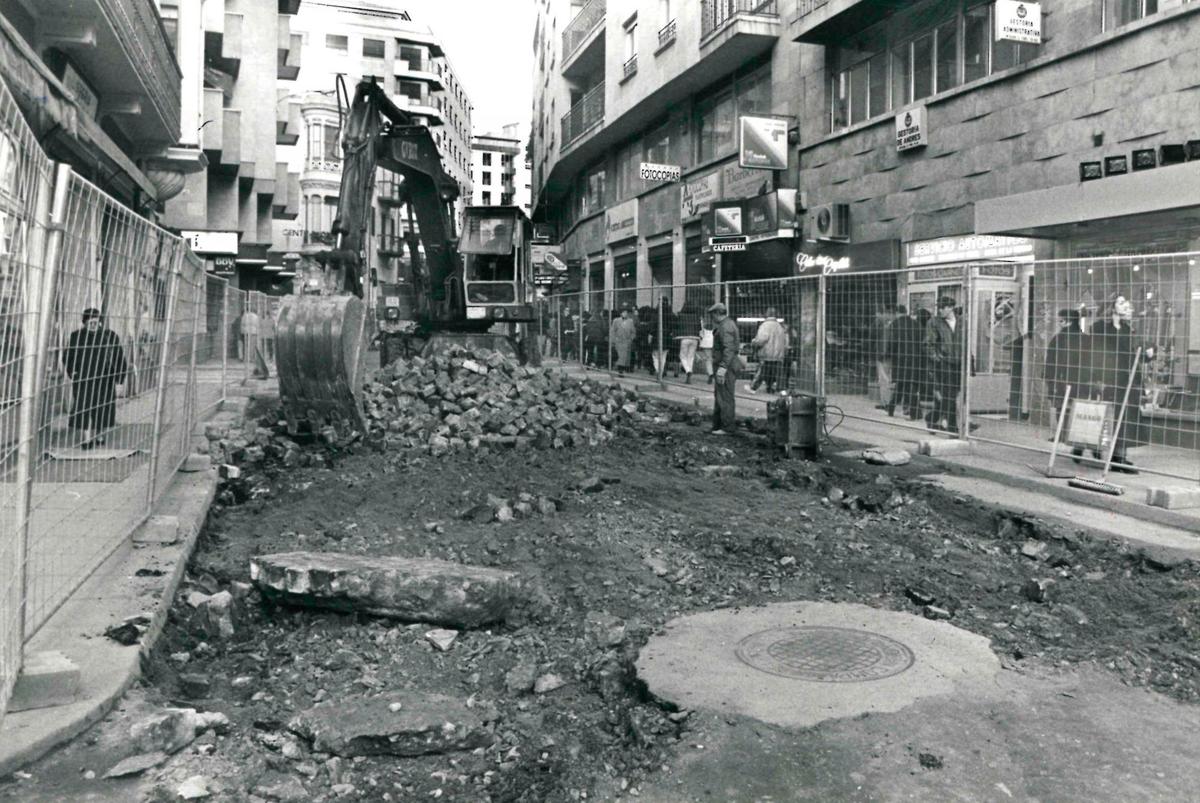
[(476, 292)]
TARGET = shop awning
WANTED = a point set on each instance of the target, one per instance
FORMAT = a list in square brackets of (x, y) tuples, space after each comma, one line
[(1168, 195)]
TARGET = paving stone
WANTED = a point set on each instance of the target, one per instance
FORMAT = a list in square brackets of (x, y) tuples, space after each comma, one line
[(163, 530), (409, 589), (47, 679), (1174, 497), (396, 724)]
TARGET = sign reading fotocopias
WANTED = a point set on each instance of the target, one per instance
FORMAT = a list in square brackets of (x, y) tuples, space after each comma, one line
[(911, 129), (1018, 22)]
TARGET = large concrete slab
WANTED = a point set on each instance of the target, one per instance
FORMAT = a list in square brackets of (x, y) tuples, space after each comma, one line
[(409, 589), (797, 664)]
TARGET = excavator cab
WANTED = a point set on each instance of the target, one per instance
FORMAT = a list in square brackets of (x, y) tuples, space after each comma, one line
[(497, 268)]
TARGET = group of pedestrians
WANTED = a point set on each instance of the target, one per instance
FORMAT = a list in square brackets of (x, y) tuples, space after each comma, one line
[(919, 358)]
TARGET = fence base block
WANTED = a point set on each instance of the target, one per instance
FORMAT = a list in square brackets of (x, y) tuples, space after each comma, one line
[(196, 462), (163, 530), (47, 679), (938, 447), (1177, 497)]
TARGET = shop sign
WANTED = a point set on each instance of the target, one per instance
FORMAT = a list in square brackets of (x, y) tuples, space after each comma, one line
[(87, 99), (727, 220), (763, 143), (649, 171), (543, 232), (224, 265), (971, 248), (1018, 22), (697, 194), (761, 214), (621, 221), (820, 262), (911, 129), (935, 274), (212, 242), (738, 182)]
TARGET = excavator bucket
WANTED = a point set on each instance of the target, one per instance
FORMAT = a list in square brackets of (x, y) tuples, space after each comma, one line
[(321, 348)]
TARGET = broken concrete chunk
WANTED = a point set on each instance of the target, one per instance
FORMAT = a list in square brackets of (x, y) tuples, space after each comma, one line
[(194, 788), (548, 683), (413, 590), (136, 764), (419, 725), (887, 457), (1034, 549), (592, 485), (1037, 590), (169, 730), (441, 638)]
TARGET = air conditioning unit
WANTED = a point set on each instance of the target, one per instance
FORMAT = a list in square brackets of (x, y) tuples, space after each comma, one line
[(830, 222)]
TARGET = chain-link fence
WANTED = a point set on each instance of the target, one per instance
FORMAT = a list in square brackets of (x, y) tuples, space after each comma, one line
[(1094, 357), (113, 344)]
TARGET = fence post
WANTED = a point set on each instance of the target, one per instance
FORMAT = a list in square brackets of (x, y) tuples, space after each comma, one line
[(558, 330), (662, 355), (224, 336), (608, 340), (193, 391), (579, 337), (163, 362), (52, 209), (969, 331), (822, 288)]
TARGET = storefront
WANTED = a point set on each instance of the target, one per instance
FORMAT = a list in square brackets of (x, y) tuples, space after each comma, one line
[(621, 239)]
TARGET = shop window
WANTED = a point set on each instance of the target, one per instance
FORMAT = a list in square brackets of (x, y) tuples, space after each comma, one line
[(1123, 12), (339, 44), (373, 48), (657, 146), (716, 135)]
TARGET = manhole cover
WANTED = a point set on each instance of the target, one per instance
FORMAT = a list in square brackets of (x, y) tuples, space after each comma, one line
[(825, 654)]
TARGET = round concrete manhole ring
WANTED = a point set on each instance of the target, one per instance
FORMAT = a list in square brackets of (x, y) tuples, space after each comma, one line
[(825, 654)]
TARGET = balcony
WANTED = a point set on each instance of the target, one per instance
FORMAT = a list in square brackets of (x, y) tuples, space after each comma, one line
[(289, 47), (423, 70), (221, 137), (629, 69), (583, 41), (120, 49), (285, 205), (584, 117), (422, 107), (391, 245), (287, 119), (222, 39), (666, 36), (387, 192), (826, 21), (319, 164), (717, 15)]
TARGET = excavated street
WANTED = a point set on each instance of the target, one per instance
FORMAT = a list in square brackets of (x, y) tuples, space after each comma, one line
[(1095, 696)]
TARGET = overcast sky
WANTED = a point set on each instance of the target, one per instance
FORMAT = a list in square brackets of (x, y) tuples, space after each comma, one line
[(490, 44)]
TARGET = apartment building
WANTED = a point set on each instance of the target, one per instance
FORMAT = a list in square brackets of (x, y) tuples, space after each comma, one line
[(622, 82), (494, 159), (367, 40), (235, 59)]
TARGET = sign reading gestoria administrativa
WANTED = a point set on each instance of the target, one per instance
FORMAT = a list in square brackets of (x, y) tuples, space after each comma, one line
[(1018, 22)]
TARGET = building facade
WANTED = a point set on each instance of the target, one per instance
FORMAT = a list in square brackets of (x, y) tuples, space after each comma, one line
[(623, 82), (494, 159), (373, 41), (236, 57)]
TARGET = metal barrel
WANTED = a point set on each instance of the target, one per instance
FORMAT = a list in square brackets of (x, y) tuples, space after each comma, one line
[(321, 353)]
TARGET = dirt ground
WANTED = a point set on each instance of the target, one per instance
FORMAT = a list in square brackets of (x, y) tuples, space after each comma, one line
[(685, 522)]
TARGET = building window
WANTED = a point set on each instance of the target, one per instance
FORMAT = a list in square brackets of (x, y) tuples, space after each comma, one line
[(629, 181), (657, 145), (323, 141), (487, 158), (487, 198), (1122, 12), (717, 116), (630, 38), (339, 43), (410, 89), (414, 57), (373, 49), (943, 54), (487, 177)]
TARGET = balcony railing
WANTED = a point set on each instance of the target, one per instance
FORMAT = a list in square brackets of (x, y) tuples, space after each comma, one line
[(322, 164), (391, 244), (666, 34), (631, 65), (583, 116), (581, 27), (809, 6), (715, 14)]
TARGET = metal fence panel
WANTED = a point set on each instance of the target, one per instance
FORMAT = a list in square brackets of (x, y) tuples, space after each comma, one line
[(25, 194)]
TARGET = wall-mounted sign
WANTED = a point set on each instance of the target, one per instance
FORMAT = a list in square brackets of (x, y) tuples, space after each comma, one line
[(727, 219), (697, 194), (1018, 22), (224, 265), (762, 214), (825, 264), (212, 242), (543, 232), (739, 182), (971, 248), (911, 129), (763, 143), (650, 171), (621, 221), (84, 95)]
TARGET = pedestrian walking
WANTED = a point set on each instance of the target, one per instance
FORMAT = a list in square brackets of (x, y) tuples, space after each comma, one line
[(595, 330), (621, 335), (944, 341), (253, 344), (1113, 346), (95, 363), (771, 341), (906, 343), (882, 351), (704, 351), (1066, 361), (728, 366)]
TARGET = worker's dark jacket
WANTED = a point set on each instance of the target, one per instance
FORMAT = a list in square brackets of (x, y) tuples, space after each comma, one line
[(725, 346)]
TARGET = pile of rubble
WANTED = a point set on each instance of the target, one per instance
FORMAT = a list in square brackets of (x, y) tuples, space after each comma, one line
[(468, 399)]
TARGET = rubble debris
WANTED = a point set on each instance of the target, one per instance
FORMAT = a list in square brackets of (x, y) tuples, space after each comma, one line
[(886, 457), (467, 399), (548, 683), (194, 686), (520, 678), (920, 596), (135, 765), (1037, 590), (936, 613), (409, 589), (1034, 549), (441, 638), (193, 788), (422, 724), (169, 730), (214, 613), (931, 762), (130, 631)]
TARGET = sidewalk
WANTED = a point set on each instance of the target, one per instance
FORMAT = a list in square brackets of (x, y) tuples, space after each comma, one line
[(990, 472)]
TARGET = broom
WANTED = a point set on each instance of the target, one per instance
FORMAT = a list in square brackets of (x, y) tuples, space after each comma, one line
[(1050, 471), (1102, 485)]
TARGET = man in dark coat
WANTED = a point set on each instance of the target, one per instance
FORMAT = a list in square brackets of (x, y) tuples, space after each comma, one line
[(1114, 356), (906, 341), (1066, 360), (945, 339), (728, 363), (95, 362)]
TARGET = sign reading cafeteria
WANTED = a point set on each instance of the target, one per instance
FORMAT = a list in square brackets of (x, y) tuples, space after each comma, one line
[(911, 129), (764, 143), (1018, 22)]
